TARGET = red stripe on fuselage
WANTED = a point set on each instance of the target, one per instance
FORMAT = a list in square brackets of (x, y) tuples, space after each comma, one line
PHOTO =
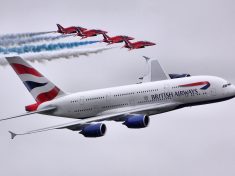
[(22, 69), (47, 96), (195, 84)]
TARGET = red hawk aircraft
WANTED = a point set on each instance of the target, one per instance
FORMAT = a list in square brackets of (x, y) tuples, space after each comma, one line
[(116, 39), (137, 45), (89, 33), (69, 30)]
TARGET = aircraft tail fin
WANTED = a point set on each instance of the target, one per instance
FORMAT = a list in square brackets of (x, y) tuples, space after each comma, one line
[(79, 32), (106, 37), (60, 28), (127, 43), (38, 85), (155, 71)]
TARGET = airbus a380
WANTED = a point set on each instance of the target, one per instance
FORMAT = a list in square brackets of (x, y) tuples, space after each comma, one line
[(131, 104)]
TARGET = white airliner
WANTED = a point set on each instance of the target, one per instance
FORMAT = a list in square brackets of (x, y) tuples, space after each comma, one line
[(131, 104)]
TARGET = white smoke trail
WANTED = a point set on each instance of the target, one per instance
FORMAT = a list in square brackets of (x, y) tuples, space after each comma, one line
[(23, 35), (49, 56), (23, 41)]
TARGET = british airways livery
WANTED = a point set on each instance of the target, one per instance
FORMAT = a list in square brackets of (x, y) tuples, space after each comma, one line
[(132, 104)]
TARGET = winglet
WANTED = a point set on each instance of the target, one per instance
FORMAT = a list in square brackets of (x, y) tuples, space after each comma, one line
[(13, 135)]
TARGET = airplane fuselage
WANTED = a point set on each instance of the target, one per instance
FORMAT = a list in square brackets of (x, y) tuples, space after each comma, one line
[(131, 104), (183, 92)]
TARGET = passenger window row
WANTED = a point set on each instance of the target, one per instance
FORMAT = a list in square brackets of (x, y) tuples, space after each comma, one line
[(83, 110), (124, 94), (153, 90), (95, 98), (88, 99), (114, 106)]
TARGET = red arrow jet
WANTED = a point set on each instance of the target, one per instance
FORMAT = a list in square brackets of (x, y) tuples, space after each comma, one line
[(116, 39), (137, 45), (89, 33), (69, 30)]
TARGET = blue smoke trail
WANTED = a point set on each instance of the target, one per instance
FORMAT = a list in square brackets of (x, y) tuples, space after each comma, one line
[(22, 41), (44, 47), (22, 35)]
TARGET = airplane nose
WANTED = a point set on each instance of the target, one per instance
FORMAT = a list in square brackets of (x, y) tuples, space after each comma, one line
[(233, 90), (230, 91)]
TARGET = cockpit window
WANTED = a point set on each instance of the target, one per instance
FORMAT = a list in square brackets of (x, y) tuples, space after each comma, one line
[(226, 85)]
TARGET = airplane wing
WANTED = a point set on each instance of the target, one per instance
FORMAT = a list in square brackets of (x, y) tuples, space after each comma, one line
[(78, 125), (155, 71), (30, 113)]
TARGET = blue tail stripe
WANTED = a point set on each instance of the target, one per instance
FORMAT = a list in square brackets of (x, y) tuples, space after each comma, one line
[(31, 85)]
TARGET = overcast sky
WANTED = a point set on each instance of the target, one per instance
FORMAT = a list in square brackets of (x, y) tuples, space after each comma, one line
[(192, 36)]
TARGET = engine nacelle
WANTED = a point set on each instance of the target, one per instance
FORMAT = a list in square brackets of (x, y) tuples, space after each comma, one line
[(136, 121), (174, 76), (94, 130)]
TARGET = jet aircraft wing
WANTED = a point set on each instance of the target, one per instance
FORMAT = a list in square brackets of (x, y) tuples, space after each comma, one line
[(44, 110), (78, 125)]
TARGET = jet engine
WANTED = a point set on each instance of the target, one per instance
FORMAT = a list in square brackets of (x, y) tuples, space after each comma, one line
[(174, 76), (94, 130), (136, 121)]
